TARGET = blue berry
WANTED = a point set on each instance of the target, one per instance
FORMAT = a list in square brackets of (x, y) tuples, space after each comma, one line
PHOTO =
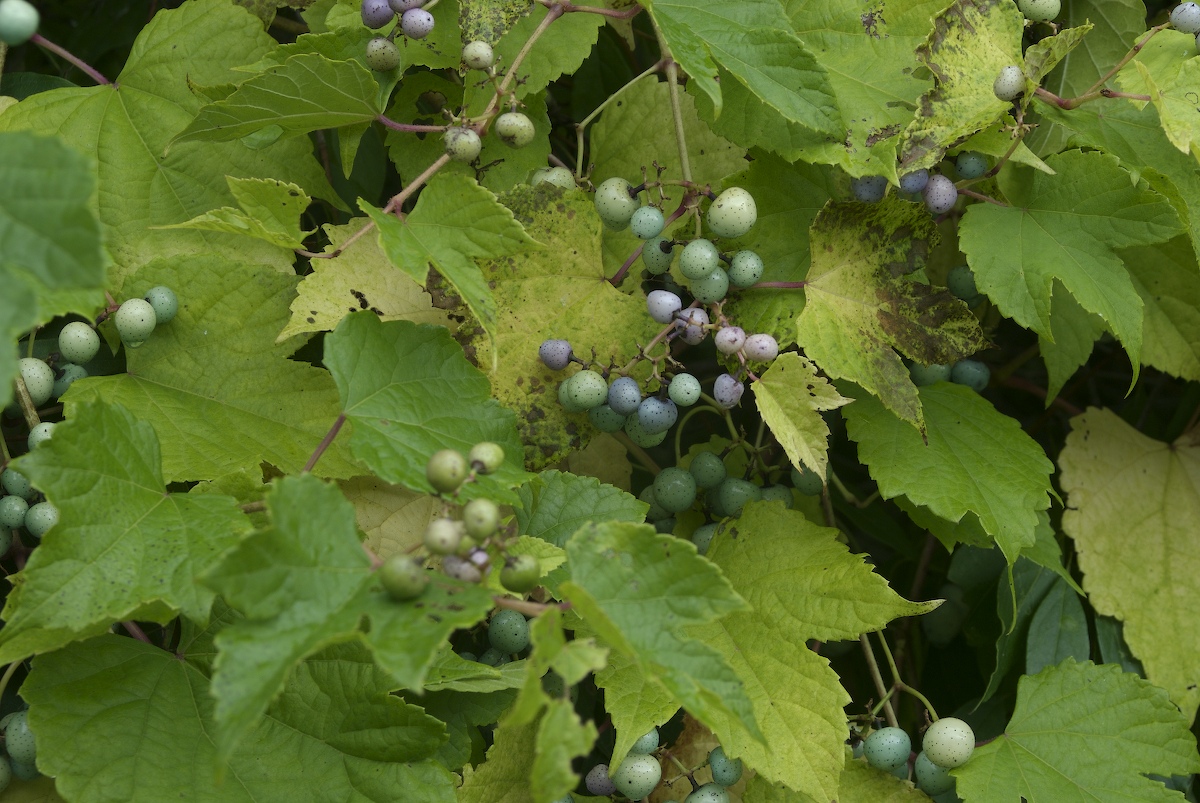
[(508, 632), (915, 181), (708, 470), (624, 395), (656, 415), (869, 189), (971, 164), (939, 194), (971, 373), (555, 354), (887, 748)]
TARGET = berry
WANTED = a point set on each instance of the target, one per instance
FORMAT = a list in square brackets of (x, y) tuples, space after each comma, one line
[(638, 434), (939, 194), (1186, 18), (555, 354), (442, 536), (923, 375), (708, 470), (68, 374), (887, 748), (18, 739), (461, 569), (807, 481), (400, 6), (481, 518), (42, 432), (558, 176), (417, 23), (605, 419), (446, 470), (40, 518), (78, 342), (598, 782), (734, 494), (932, 779), (462, 144), (508, 632), (39, 379), (377, 13), (135, 321), (624, 395), (729, 339), (1010, 83), (647, 222), (515, 129), (761, 348), (637, 776), (733, 213), (657, 255), (915, 181), (382, 56), (745, 269), (727, 391), (778, 493), (961, 282), (662, 305), (520, 574), (971, 373), (712, 288), (18, 21), (614, 203), (869, 189), (647, 744), (675, 489), (6, 773), (702, 537), (1039, 10), (657, 415), (12, 511), (493, 657), (656, 510), (694, 322), (725, 771), (709, 793), (162, 298), (684, 390), (699, 258), (486, 457), (586, 390), (478, 55), (402, 577), (971, 164), (949, 742), (16, 484)]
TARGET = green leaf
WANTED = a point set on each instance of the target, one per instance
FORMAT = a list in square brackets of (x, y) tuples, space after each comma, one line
[(335, 729), (862, 305), (1065, 227), (1058, 630), (269, 210), (1129, 508), (455, 223), (635, 702), (1045, 55), (1073, 331), (123, 548), (1016, 602), (462, 714), (125, 127), (555, 505), (976, 459), (504, 777), (1168, 281), (971, 41), (997, 140), (409, 392), (561, 738), (552, 56), (305, 93), (1164, 70), (803, 584), (1082, 731), (639, 131), (237, 399), (791, 396), (620, 576)]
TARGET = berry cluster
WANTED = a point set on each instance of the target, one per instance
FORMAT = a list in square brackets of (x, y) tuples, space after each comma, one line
[(640, 772), (20, 747), (948, 743), (415, 22)]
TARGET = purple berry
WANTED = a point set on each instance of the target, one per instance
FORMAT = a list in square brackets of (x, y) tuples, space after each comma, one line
[(555, 354), (400, 6), (940, 194), (662, 305), (728, 391), (377, 13), (417, 23)]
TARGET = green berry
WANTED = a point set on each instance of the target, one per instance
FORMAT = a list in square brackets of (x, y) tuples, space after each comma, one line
[(443, 536), (1039, 10), (745, 269), (699, 259), (18, 739), (655, 258), (647, 222), (67, 375), (78, 342), (6, 773), (24, 772), (923, 375), (637, 776), (12, 511), (486, 457), (778, 493), (971, 373), (674, 489), (514, 129), (462, 144), (949, 742), (166, 305), (712, 288), (42, 432), (807, 481), (403, 578), (684, 390), (887, 748), (481, 518), (961, 283), (494, 657), (18, 21), (558, 176), (614, 203), (702, 536), (16, 484), (709, 793), (725, 770), (970, 164), (1010, 83), (382, 54), (40, 518), (735, 493), (646, 744), (932, 779), (135, 321), (642, 437), (446, 470), (586, 390), (708, 470), (478, 55), (733, 213), (508, 632), (39, 379), (605, 419), (520, 574)]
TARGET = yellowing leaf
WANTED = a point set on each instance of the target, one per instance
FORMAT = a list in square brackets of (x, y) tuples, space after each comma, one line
[(790, 397), (1132, 507), (269, 210)]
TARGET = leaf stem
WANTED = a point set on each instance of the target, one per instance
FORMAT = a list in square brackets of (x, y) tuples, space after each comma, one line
[(569, 7), (324, 444), (899, 684), (554, 11), (392, 124), (135, 631), (880, 688), (528, 607), (639, 453), (586, 121), (26, 402), (979, 196), (58, 50), (1112, 93), (778, 285), (8, 673)]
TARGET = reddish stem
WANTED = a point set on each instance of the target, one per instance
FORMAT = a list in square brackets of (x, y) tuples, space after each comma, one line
[(392, 124), (59, 50), (778, 285), (136, 632), (324, 444)]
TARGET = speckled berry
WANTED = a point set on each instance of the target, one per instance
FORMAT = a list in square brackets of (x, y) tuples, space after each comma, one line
[(939, 194), (40, 433), (657, 415), (67, 375), (733, 213), (711, 288), (39, 379), (558, 176), (915, 181), (462, 144), (647, 222), (135, 320), (684, 390), (417, 23), (403, 578), (923, 375), (761, 348), (745, 269), (657, 255), (1010, 83), (646, 744), (18, 739), (1039, 10), (78, 342), (478, 55), (637, 776), (725, 770), (598, 782), (555, 354), (949, 742), (40, 518), (514, 129), (382, 54), (869, 189), (699, 258), (508, 632), (727, 391), (662, 305), (377, 13), (614, 203), (605, 419), (970, 164)]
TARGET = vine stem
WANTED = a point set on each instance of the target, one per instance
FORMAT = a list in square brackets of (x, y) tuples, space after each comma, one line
[(26, 401), (554, 11), (586, 121), (324, 444), (702, 408), (880, 688), (639, 453), (3, 56), (569, 7), (392, 124), (1095, 90), (899, 684), (58, 50), (733, 433), (778, 285), (979, 196), (8, 673), (135, 631), (528, 607), (619, 276)]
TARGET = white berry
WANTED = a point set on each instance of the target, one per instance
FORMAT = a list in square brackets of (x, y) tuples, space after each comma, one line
[(462, 144), (135, 321), (949, 742), (78, 342), (939, 194), (694, 321), (733, 213), (1039, 10), (728, 391), (417, 23), (730, 339), (761, 348), (662, 305), (478, 55), (1010, 83)]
